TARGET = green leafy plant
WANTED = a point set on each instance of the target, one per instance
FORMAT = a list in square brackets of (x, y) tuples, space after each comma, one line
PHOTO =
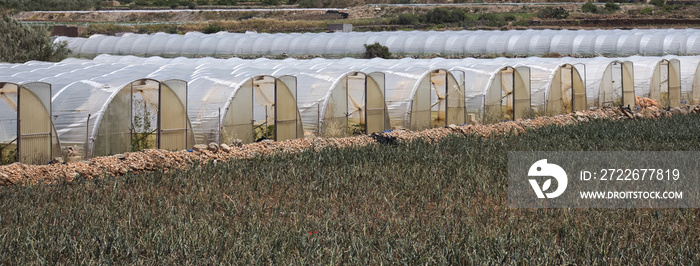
[(376, 50), (24, 43), (589, 8), (658, 3), (553, 12), (611, 7), (143, 132), (213, 28)]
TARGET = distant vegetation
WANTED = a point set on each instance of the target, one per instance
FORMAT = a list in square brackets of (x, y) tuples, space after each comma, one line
[(23, 43), (29, 5), (459, 17), (376, 50), (412, 203)]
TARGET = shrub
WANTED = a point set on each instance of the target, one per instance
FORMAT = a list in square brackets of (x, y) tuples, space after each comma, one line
[(492, 20), (225, 2), (407, 19), (589, 8), (202, 2), (309, 3), (270, 2), (34, 5), (442, 15), (28, 43), (213, 28), (611, 7), (658, 3), (377, 50), (553, 12), (647, 11)]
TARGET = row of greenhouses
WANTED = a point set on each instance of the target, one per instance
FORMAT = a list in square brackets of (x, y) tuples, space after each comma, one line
[(115, 104), (647, 42)]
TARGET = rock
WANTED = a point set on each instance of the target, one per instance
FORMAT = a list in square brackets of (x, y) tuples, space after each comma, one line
[(120, 156), (199, 147), (579, 113), (676, 111), (453, 127), (213, 147), (57, 160), (237, 143), (73, 175), (73, 159), (684, 111), (638, 115), (267, 141), (225, 147)]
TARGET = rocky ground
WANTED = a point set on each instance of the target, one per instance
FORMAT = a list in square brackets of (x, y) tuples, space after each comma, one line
[(161, 160)]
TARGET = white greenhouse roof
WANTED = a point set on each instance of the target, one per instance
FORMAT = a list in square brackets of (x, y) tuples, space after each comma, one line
[(652, 42)]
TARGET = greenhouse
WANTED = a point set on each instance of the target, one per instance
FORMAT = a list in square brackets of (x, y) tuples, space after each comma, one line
[(418, 96), (495, 89), (114, 104), (609, 81), (660, 78), (690, 79), (336, 100), (228, 101), (104, 114), (648, 42), (27, 134), (556, 85)]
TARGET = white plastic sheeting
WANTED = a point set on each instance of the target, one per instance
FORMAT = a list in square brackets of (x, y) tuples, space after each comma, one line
[(83, 90), (650, 42), (82, 86)]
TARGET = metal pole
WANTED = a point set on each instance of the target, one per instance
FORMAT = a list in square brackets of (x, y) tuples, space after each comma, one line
[(218, 133), (87, 137)]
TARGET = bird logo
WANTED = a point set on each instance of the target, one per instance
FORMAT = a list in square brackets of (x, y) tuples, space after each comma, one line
[(542, 168)]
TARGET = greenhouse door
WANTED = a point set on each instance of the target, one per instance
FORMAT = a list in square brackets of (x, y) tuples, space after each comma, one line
[(438, 109), (172, 115), (34, 127), (145, 96), (286, 114), (521, 92), (666, 83), (375, 116), (238, 122), (573, 90), (507, 80)]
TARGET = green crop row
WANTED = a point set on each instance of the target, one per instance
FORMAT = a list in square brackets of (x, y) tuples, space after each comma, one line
[(410, 203)]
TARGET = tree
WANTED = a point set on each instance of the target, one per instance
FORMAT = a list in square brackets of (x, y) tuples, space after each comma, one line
[(589, 8), (611, 7), (377, 50), (23, 43), (553, 12)]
